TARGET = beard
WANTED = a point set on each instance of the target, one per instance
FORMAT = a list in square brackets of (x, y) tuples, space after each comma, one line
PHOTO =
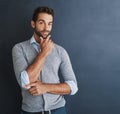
[(39, 33)]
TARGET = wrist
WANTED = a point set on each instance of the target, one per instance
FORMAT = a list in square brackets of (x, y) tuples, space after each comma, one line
[(43, 54), (46, 88)]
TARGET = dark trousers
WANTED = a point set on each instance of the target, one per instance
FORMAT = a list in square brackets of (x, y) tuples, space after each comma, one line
[(56, 111)]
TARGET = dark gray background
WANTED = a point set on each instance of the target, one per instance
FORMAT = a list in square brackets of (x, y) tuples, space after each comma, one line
[(89, 30)]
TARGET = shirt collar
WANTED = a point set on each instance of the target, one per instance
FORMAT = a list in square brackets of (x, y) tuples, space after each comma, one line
[(33, 41)]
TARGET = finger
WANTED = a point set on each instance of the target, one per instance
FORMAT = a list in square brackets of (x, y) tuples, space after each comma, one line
[(30, 85), (41, 40), (47, 39), (36, 94), (36, 87), (50, 40), (51, 43), (32, 89), (33, 92)]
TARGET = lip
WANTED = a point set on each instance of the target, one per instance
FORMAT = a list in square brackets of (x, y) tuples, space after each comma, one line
[(45, 33)]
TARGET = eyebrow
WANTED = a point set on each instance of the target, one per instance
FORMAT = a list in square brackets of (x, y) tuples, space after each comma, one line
[(44, 20), (40, 20)]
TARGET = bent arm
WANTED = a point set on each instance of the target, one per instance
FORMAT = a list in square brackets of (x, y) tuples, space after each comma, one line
[(67, 71), (35, 68), (38, 88)]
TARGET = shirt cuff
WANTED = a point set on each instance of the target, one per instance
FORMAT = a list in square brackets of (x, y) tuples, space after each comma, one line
[(73, 87), (24, 79)]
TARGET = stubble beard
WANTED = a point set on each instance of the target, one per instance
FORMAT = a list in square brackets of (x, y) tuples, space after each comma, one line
[(40, 35)]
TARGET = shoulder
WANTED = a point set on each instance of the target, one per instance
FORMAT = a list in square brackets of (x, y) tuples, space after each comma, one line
[(61, 50), (21, 45)]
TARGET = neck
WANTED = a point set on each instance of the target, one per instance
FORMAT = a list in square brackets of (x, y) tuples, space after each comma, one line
[(37, 38)]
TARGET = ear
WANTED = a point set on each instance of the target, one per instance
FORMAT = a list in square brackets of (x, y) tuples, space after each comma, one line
[(33, 24)]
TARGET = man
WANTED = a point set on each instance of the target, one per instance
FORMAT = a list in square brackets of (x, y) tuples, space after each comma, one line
[(36, 64)]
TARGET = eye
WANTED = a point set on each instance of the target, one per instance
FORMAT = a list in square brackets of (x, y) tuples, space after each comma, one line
[(41, 22), (50, 24)]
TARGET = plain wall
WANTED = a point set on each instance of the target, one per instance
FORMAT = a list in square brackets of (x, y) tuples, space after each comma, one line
[(89, 30)]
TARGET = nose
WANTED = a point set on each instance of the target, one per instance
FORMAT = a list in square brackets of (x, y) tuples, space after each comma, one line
[(46, 27)]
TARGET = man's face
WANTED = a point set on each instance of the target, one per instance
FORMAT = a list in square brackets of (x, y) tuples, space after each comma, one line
[(43, 25)]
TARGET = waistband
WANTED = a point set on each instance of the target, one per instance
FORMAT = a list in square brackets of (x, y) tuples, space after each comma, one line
[(44, 112)]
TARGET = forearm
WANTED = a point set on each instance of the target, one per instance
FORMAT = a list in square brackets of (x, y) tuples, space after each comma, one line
[(62, 88), (35, 68)]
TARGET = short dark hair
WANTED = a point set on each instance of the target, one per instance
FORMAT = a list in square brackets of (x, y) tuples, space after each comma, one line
[(42, 9)]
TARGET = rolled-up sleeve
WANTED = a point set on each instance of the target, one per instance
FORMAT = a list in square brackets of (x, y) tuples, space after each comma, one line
[(19, 63), (73, 87), (24, 79)]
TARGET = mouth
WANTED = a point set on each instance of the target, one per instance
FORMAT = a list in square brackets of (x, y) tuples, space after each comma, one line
[(44, 37), (45, 34)]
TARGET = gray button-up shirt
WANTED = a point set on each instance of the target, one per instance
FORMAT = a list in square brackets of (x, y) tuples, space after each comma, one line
[(23, 55)]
